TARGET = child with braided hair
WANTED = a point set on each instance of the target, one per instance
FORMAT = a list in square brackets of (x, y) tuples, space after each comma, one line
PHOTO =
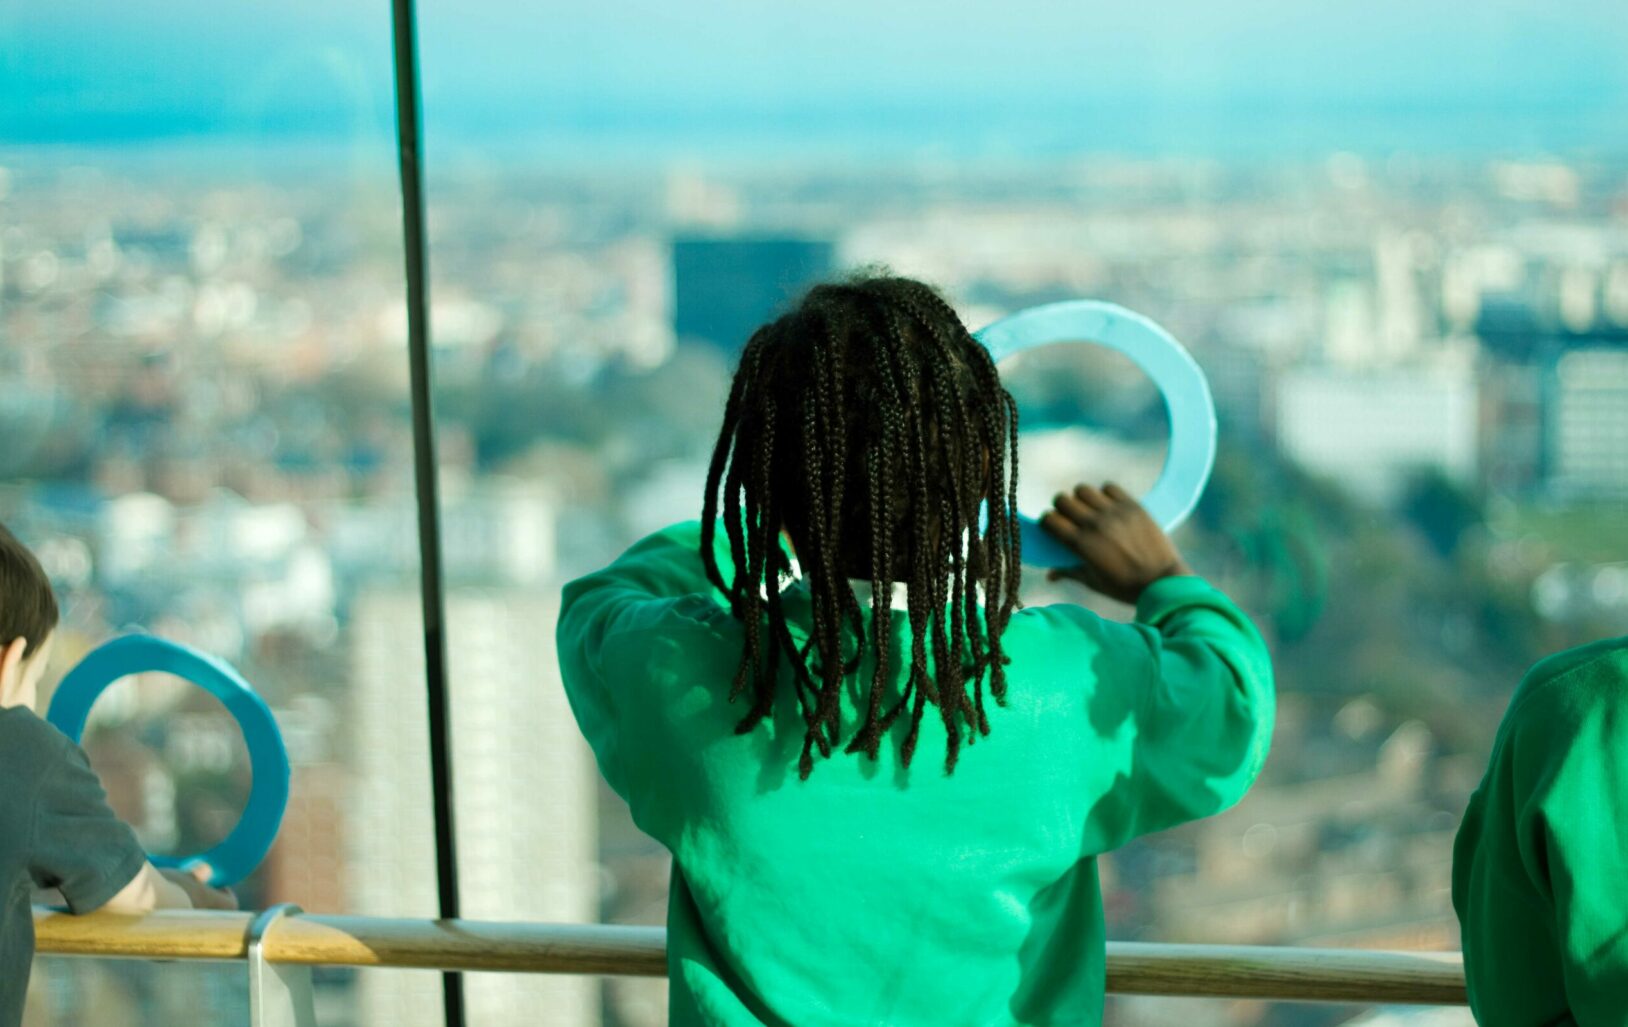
[(857, 561)]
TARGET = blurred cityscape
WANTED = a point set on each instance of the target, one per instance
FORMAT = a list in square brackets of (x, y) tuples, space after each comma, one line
[(1421, 369)]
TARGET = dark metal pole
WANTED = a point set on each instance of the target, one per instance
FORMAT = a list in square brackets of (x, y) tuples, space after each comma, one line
[(410, 152)]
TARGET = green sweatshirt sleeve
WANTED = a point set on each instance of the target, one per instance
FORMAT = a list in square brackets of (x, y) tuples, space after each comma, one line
[(1542, 857), (659, 578), (1203, 714)]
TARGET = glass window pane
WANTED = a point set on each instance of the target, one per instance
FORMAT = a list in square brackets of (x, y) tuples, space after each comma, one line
[(202, 345), (1400, 264)]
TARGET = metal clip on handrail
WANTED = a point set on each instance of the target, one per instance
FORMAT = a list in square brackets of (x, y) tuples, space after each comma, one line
[(280, 994)]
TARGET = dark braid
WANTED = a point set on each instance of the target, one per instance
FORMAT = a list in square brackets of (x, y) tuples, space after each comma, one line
[(871, 428)]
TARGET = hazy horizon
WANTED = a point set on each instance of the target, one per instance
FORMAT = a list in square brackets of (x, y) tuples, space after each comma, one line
[(1036, 79)]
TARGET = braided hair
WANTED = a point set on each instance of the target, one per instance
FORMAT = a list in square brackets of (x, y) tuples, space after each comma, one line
[(870, 426)]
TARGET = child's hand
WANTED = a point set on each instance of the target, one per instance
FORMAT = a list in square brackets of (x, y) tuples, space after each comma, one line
[(192, 881), (1121, 550)]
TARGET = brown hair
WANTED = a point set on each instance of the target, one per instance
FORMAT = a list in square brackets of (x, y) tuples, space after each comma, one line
[(28, 609)]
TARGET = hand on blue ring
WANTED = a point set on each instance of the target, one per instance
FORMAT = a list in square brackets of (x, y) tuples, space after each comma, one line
[(1181, 383)]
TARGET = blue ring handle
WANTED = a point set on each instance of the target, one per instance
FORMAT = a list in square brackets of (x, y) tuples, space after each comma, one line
[(1187, 401), (236, 856)]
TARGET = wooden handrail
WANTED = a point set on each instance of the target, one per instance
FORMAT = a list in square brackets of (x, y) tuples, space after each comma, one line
[(362, 941), (1135, 968), (1286, 974)]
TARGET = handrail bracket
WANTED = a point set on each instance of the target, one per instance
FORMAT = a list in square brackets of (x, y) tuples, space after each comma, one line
[(280, 994)]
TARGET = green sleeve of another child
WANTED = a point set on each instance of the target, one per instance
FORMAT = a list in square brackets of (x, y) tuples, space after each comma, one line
[(1540, 868)]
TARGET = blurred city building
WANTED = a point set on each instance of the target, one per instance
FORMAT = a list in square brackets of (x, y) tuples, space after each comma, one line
[(1374, 430), (1588, 424), (524, 786), (724, 288)]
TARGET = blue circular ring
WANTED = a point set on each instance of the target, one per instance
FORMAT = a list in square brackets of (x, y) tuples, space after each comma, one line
[(1187, 401), (236, 856)]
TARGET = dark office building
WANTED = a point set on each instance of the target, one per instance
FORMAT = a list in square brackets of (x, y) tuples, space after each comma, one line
[(1528, 331), (724, 288)]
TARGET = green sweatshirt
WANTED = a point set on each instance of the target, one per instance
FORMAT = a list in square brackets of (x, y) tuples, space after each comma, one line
[(1540, 868), (877, 894)]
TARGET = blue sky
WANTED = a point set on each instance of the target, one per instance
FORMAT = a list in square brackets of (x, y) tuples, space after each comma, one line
[(1038, 74)]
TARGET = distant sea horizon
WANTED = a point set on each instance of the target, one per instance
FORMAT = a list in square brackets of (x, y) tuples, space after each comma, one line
[(636, 137)]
